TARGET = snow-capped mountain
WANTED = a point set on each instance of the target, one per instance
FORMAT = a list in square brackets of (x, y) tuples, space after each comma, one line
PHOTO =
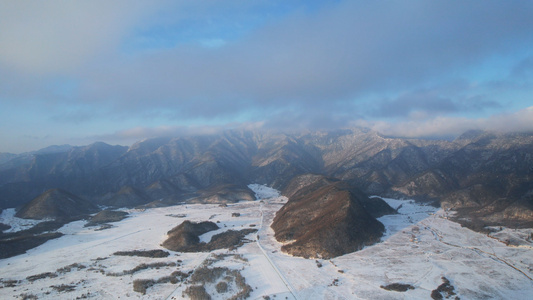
[(486, 177)]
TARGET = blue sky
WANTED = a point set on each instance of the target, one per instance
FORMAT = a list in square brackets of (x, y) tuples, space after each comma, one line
[(76, 72)]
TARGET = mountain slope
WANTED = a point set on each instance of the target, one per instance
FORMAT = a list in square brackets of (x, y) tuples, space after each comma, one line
[(488, 175), (489, 180)]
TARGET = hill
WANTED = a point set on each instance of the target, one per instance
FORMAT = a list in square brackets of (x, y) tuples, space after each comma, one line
[(324, 218), (56, 204)]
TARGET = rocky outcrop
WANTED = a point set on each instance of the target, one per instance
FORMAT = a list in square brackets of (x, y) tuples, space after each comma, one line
[(324, 218), (56, 204)]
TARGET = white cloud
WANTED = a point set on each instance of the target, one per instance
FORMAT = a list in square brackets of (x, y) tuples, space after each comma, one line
[(453, 126), (131, 135)]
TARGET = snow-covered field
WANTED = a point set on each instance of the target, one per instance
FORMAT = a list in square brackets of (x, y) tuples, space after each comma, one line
[(420, 247), (17, 224)]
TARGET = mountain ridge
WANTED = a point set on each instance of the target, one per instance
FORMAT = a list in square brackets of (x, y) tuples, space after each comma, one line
[(470, 172)]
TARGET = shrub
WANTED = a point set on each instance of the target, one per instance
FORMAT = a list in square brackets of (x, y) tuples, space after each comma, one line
[(28, 296), (41, 276), (245, 289), (68, 268), (335, 282), (222, 287), (197, 292), (173, 278), (157, 253), (100, 258), (398, 287), (167, 279), (229, 239), (240, 257), (445, 289), (140, 285), (436, 295), (179, 275), (10, 283), (64, 288), (176, 215), (104, 227), (207, 275), (141, 267)]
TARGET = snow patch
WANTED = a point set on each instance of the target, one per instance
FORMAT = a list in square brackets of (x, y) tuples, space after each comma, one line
[(263, 191), (409, 213), (17, 224)]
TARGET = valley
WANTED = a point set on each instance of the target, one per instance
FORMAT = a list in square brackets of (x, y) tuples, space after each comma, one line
[(266, 150), (421, 246)]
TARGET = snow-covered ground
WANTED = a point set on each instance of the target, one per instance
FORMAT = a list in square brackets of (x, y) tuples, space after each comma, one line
[(409, 212), (421, 246), (17, 224), (264, 192)]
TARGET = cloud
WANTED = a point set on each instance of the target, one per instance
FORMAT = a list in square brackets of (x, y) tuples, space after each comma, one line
[(439, 127), (135, 134), (445, 99), (420, 102), (523, 69), (42, 37), (520, 77), (335, 55), (75, 116), (282, 64), (446, 127)]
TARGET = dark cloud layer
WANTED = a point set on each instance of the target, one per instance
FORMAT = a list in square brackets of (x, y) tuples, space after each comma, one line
[(305, 64), (309, 59)]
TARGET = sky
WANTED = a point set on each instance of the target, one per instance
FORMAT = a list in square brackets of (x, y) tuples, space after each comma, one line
[(76, 72)]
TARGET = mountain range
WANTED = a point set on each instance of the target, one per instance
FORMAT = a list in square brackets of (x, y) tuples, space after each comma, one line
[(486, 177)]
